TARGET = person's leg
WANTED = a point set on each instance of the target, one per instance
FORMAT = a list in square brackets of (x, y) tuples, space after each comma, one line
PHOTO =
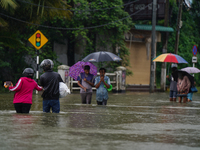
[(55, 104), (46, 106), (189, 97), (26, 108), (184, 99), (180, 99), (174, 96), (88, 98), (18, 107), (99, 103), (171, 95), (83, 98), (104, 102)]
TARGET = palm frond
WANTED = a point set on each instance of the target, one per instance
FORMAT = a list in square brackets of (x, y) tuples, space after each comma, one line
[(3, 23), (6, 3), (10, 40)]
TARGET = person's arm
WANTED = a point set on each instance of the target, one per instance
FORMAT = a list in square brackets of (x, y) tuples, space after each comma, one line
[(60, 79), (107, 84), (38, 88), (90, 83), (79, 83), (17, 87), (41, 81), (168, 78), (188, 84), (178, 85), (99, 83)]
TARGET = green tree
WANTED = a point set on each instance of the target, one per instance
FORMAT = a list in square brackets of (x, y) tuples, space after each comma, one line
[(189, 36), (14, 34), (109, 26)]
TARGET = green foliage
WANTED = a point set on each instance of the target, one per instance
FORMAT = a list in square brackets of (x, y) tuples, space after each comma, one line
[(104, 38), (189, 36)]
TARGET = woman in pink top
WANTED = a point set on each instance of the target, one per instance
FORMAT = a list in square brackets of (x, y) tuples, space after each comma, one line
[(24, 91)]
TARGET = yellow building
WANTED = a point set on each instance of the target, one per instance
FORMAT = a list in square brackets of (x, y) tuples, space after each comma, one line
[(138, 40)]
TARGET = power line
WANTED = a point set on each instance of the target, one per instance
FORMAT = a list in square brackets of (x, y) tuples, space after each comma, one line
[(76, 9), (61, 28)]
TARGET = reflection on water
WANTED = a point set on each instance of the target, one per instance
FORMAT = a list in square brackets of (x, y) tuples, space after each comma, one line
[(129, 121)]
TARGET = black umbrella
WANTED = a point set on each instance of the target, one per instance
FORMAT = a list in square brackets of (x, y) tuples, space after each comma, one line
[(101, 57), (184, 73)]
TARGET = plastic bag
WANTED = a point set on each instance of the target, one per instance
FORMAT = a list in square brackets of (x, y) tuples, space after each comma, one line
[(63, 89)]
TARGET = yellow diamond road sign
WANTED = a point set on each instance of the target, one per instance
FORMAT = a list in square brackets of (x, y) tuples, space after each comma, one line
[(38, 39)]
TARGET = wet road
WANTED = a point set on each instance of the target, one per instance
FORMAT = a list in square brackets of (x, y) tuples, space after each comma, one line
[(131, 121)]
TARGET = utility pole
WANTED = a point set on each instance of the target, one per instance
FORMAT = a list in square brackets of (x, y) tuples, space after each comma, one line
[(152, 67), (178, 26), (165, 39)]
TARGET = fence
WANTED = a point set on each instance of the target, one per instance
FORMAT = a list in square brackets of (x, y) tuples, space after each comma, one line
[(117, 79), (114, 80)]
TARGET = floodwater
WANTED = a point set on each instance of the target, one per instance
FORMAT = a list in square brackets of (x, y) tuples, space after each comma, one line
[(130, 121)]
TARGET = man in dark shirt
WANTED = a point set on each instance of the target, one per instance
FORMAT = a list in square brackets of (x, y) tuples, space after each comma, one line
[(50, 83)]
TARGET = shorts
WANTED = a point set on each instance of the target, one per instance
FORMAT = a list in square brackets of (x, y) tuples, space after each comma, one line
[(189, 96), (54, 104), (173, 94)]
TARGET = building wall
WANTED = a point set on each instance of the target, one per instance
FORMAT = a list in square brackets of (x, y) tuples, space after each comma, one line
[(140, 65), (139, 44)]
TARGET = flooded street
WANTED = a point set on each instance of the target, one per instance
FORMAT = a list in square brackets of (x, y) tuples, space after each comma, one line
[(130, 121)]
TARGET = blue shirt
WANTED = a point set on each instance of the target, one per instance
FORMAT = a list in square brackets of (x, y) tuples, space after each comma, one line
[(102, 92)]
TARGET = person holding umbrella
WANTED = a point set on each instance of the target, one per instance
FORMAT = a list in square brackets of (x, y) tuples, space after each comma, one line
[(173, 83), (102, 92), (86, 82), (183, 86), (191, 70)]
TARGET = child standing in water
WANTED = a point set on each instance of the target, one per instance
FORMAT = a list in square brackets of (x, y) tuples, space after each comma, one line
[(102, 92), (24, 91)]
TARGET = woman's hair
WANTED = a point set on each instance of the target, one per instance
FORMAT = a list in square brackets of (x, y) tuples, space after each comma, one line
[(102, 69), (86, 67)]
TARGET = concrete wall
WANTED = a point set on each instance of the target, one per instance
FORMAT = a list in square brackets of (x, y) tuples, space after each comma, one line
[(61, 51)]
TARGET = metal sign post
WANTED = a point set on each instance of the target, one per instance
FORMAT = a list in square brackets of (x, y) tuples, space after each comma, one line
[(38, 40), (194, 58)]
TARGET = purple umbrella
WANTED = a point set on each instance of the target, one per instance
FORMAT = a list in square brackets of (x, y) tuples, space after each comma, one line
[(191, 70), (78, 67)]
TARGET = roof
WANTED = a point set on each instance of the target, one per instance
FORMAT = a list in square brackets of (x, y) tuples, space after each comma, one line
[(158, 28)]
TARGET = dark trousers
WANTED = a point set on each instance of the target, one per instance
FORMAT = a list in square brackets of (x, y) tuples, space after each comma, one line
[(104, 102), (86, 98), (22, 107)]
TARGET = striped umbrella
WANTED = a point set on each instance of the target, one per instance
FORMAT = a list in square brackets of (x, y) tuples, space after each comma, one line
[(169, 57)]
